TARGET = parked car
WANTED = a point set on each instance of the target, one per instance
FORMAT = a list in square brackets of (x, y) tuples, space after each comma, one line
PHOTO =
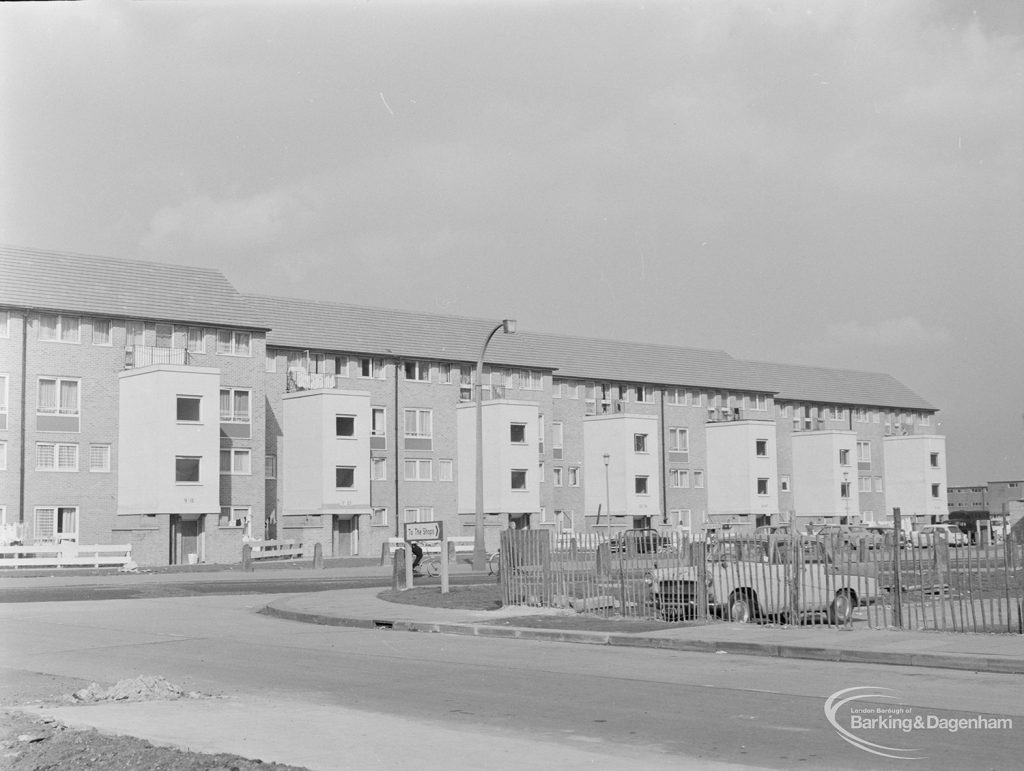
[(640, 541), (749, 578), (887, 534), (927, 535), (850, 536), (777, 530)]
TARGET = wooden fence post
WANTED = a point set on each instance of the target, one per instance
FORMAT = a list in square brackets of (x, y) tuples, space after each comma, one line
[(318, 557), (897, 578), (247, 557)]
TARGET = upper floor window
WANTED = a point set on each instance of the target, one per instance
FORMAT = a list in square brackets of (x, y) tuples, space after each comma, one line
[(378, 469), (518, 479), (135, 333), (556, 476), (557, 434), (448, 374), (924, 419), (186, 469), (5, 323), (59, 396), (195, 340), (345, 426), (231, 342), (101, 331), (864, 453), (762, 486), (844, 457), (417, 370), (531, 380), (934, 460), (645, 394), (759, 403), (56, 457), (344, 477), (371, 368), (419, 470), (59, 328), (270, 466), (3, 402), (234, 405), (574, 476), (639, 442), (698, 479), (419, 423), (189, 409), (445, 470), (761, 448), (678, 477), (235, 461), (640, 485), (679, 440), (517, 433), (844, 490)]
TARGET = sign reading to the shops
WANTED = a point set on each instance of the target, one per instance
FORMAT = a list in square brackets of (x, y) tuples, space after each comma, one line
[(424, 531)]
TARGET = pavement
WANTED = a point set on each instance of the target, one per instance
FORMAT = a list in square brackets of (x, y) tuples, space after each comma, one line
[(997, 653)]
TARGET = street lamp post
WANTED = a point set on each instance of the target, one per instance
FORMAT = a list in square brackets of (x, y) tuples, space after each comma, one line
[(508, 326), (607, 494)]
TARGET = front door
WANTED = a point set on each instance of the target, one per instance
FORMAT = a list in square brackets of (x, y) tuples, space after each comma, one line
[(345, 543), (185, 540), (519, 521)]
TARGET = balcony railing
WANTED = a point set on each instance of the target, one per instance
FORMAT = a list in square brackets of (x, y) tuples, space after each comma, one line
[(145, 355)]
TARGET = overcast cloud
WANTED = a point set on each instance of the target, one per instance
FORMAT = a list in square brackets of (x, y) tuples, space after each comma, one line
[(829, 183)]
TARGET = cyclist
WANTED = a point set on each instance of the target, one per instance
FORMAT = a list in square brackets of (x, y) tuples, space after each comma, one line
[(417, 554)]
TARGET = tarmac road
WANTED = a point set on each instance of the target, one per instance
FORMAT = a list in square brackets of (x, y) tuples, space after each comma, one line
[(327, 697)]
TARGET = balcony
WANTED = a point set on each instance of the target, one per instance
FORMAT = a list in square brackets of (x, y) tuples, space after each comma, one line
[(724, 414), (136, 356), (301, 380)]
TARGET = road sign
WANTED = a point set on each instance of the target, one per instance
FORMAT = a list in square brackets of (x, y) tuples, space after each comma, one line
[(424, 531)]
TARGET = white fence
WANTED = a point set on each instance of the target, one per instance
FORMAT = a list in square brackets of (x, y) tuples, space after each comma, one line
[(65, 555)]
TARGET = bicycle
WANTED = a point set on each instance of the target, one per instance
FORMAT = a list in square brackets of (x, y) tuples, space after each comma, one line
[(494, 563), (430, 566)]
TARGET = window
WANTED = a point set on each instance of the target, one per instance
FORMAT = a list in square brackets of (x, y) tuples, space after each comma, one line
[(762, 486), (936, 489), (418, 424), (59, 329), (345, 426), (379, 518), (679, 478), (186, 469), (371, 368), (3, 456), (231, 342), (864, 484), (270, 466), (99, 458), (235, 516), (844, 489), (270, 360), (761, 448), (541, 475), (445, 374), (679, 440), (864, 454), (640, 443), (445, 470), (517, 433), (557, 388), (934, 460), (5, 323), (378, 469), (3, 402), (234, 405), (419, 470), (556, 476), (101, 332), (164, 336), (878, 484), (645, 394), (135, 333), (58, 396), (518, 479), (56, 457), (419, 514), (759, 403), (640, 485), (531, 380), (784, 484), (574, 476), (378, 425), (557, 435), (417, 370), (844, 457), (196, 340), (235, 461), (344, 477), (189, 409), (924, 419), (698, 479), (56, 524)]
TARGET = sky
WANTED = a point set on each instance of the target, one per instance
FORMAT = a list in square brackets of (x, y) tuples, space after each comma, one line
[(834, 183)]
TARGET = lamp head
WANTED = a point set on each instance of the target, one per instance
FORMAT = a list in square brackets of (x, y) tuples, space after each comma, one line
[(607, 458), (508, 326)]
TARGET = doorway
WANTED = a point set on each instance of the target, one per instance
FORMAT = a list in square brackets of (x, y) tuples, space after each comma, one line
[(519, 521), (641, 523), (345, 538), (186, 540)]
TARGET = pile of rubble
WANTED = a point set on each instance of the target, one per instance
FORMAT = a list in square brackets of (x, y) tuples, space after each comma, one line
[(141, 688)]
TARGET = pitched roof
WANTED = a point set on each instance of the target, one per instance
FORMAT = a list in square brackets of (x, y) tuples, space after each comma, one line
[(103, 286), (328, 326), (841, 386)]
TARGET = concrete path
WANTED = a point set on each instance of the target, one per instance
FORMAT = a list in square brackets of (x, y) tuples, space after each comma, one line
[(999, 653)]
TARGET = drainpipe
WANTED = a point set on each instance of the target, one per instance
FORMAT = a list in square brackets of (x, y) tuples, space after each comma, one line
[(663, 459), (398, 525), (24, 382)]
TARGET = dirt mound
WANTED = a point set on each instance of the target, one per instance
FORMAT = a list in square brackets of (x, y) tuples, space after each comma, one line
[(141, 688)]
